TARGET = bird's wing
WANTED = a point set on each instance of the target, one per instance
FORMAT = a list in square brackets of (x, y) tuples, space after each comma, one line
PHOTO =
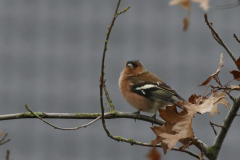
[(153, 88)]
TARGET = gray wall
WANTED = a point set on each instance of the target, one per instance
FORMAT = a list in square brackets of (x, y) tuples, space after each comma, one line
[(50, 57)]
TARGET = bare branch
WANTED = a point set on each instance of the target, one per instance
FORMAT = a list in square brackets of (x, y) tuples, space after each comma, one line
[(103, 59), (7, 156), (201, 146), (108, 97), (110, 115), (220, 88), (3, 141), (229, 5), (60, 128), (235, 36), (224, 129), (224, 88), (133, 142), (212, 125), (217, 38)]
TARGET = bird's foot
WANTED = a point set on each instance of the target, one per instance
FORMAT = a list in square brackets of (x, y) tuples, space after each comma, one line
[(154, 116), (137, 113)]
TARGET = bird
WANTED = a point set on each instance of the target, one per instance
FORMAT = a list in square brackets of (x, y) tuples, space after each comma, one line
[(145, 91)]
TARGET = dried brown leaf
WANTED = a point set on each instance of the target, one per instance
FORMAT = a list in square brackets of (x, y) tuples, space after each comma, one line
[(154, 154), (237, 62), (200, 156), (0, 133), (204, 4), (234, 87), (206, 81), (186, 4), (159, 139), (207, 104), (178, 126), (236, 75), (185, 23), (214, 74), (193, 98)]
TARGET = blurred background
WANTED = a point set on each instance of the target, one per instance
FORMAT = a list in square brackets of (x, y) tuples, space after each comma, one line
[(50, 58)]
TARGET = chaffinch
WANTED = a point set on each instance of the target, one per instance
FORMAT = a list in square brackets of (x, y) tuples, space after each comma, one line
[(145, 91)]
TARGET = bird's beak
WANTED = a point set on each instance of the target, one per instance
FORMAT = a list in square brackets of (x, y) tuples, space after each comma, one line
[(129, 65)]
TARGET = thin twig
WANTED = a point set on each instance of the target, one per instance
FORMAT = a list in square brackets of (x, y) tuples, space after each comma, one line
[(217, 125), (219, 88), (235, 36), (60, 128), (7, 156), (3, 141), (229, 5), (218, 81), (133, 142), (108, 97), (225, 127), (217, 38), (102, 67), (212, 125)]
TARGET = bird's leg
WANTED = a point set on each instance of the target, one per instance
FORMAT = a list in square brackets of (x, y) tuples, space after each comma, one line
[(137, 113), (154, 116)]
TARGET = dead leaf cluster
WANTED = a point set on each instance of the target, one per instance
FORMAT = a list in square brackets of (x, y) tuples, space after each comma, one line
[(186, 4), (178, 125)]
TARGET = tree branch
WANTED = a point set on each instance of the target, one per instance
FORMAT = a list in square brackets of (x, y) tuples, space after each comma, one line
[(226, 125), (60, 128), (116, 13), (235, 36), (109, 115), (212, 125), (7, 156), (217, 38), (3, 141)]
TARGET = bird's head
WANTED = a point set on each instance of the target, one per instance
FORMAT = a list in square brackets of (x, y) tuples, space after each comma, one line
[(133, 67)]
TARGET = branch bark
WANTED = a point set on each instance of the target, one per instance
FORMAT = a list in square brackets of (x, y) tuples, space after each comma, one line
[(224, 130), (110, 115)]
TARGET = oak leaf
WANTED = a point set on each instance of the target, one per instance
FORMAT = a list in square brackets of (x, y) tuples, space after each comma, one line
[(186, 4), (204, 4), (200, 155), (237, 62), (236, 75), (204, 105), (186, 23), (214, 74), (154, 154), (234, 87), (178, 126)]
